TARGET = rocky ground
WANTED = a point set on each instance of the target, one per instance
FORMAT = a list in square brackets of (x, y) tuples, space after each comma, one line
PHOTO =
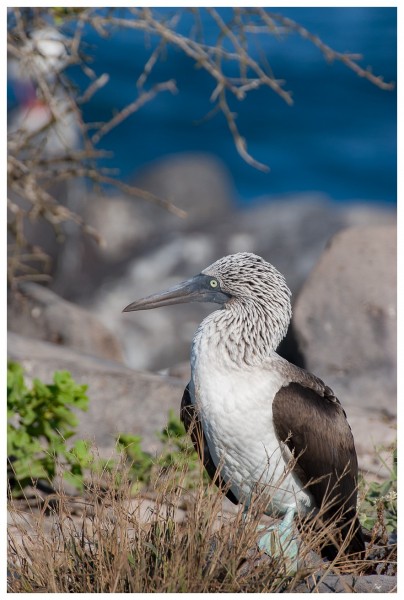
[(339, 261)]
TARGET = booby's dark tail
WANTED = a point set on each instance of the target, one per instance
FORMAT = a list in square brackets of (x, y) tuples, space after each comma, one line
[(357, 543), (355, 549)]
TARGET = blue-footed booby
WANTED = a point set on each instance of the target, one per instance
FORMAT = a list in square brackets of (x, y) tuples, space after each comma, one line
[(264, 422)]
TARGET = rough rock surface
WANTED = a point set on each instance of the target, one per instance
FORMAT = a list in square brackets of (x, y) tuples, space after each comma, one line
[(37, 312), (121, 400), (340, 584)]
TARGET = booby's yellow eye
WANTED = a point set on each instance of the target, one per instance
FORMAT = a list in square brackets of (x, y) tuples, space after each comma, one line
[(213, 283)]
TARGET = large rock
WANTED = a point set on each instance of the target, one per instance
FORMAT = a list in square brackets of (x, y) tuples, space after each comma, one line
[(345, 323), (345, 316), (121, 400), (289, 230), (36, 311), (196, 183)]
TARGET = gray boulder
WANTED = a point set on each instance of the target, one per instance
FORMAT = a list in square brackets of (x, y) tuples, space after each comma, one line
[(196, 183), (291, 231), (345, 317), (36, 311), (345, 325)]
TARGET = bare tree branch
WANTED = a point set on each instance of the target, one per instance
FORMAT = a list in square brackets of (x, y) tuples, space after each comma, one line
[(349, 60), (166, 86)]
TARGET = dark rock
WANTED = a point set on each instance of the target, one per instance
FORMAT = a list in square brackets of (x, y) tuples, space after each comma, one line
[(315, 576), (121, 400), (337, 584), (37, 312), (63, 243)]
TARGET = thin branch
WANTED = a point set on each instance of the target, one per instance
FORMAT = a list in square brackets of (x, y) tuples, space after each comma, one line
[(329, 53), (166, 86), (147, 69), (134, 191), (238, 140), (248, 60), (93, 88)]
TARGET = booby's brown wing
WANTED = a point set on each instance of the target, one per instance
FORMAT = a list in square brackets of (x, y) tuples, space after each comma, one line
[(316, 431), (193, 426)]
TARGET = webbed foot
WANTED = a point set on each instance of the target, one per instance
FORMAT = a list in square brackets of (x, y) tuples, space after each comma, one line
[(280, 542)]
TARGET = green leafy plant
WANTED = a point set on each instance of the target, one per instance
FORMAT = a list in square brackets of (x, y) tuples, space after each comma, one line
[(141, 462), (177, 455), (178, 448), (379, 507), (40, 420)]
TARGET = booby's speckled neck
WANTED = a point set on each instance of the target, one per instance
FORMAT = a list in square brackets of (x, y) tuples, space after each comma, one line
[(244, 332)]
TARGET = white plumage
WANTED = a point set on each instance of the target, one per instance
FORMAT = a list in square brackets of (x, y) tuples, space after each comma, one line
[(234, 403)]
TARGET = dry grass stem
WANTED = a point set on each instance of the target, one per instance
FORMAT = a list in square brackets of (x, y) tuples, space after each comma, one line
[(167, 539)]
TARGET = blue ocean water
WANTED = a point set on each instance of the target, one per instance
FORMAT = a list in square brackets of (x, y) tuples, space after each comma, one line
[(339, 137)]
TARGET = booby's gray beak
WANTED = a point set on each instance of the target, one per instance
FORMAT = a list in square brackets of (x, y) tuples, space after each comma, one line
[(197, 289)]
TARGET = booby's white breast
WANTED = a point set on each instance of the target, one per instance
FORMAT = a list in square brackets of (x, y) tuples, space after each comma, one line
[(235, 408)]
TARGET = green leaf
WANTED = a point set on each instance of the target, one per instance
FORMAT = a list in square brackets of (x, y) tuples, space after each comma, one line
[(81, 451), (174, 427), (40, 422), (75, 479)]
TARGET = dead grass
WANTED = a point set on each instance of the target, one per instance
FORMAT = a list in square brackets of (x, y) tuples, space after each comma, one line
[(169, 541)]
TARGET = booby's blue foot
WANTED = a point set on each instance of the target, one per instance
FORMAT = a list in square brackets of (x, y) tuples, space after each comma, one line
[(280, 542)]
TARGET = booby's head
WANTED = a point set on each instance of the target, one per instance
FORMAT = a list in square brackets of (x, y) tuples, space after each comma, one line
[(241, 282), (246, 277)]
